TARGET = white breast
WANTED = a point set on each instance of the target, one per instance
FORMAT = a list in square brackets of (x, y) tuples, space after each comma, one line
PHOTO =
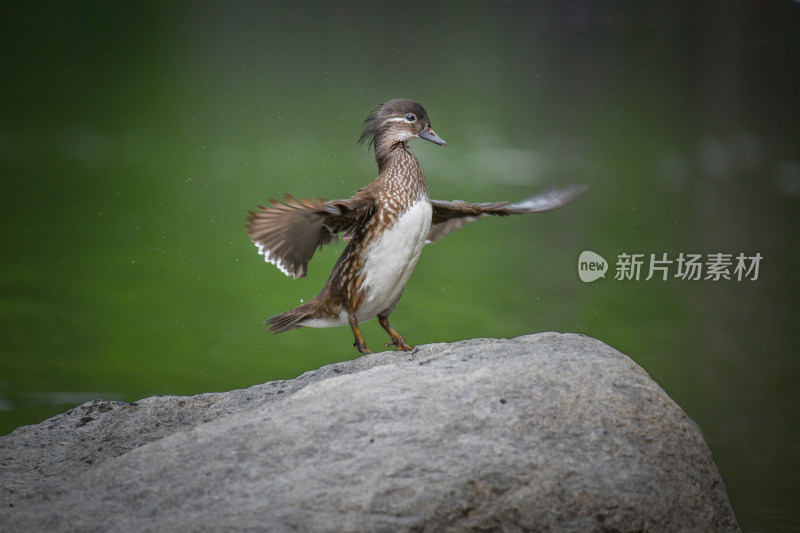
[(391, 259)]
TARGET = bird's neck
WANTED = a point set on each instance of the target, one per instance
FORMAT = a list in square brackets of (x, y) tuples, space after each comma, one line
[(387, 153), (400, 172)]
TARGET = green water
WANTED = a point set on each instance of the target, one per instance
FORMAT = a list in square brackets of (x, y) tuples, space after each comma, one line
[(135, 137)]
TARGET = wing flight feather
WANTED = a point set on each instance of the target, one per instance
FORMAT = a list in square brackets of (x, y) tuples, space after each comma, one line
[(288, 233), (450, 216)]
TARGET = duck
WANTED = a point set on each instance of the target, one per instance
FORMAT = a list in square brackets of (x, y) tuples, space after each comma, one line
[(386, 224)]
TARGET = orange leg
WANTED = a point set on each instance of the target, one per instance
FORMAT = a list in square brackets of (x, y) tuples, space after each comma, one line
[(397, 340), (360, 343)]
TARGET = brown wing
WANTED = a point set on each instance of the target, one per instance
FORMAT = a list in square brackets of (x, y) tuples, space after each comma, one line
[(450, 216), (288, 234)]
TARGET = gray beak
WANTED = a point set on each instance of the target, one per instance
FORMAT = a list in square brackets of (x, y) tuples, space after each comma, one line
[(429, 135)]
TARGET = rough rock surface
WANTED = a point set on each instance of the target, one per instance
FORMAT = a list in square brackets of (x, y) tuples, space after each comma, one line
[(542, 432)]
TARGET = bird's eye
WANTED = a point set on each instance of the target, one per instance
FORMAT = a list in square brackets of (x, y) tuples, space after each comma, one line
[(410, 117)]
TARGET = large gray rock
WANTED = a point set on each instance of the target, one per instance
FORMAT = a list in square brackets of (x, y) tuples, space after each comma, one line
[(543, 432)]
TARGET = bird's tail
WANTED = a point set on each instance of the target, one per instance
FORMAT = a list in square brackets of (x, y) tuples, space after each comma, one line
[(290, 319)]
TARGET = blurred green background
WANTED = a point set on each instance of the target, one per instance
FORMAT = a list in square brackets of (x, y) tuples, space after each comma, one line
[(135, 136)]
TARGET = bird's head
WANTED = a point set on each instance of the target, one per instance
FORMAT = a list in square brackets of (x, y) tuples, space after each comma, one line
[(396, 122)]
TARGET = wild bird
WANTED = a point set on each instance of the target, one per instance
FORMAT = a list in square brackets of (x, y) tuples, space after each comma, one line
[(386, 224)]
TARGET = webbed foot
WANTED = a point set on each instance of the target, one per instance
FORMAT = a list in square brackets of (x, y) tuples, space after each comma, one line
[(397, 340)]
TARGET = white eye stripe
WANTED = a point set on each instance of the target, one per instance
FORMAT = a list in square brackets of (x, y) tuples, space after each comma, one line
[(403, 119)]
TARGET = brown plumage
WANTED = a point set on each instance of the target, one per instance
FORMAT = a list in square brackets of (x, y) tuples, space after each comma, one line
[(386, 223)]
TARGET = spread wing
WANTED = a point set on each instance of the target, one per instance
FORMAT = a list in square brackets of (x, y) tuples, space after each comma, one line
[(287, 234), (450, 216)]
